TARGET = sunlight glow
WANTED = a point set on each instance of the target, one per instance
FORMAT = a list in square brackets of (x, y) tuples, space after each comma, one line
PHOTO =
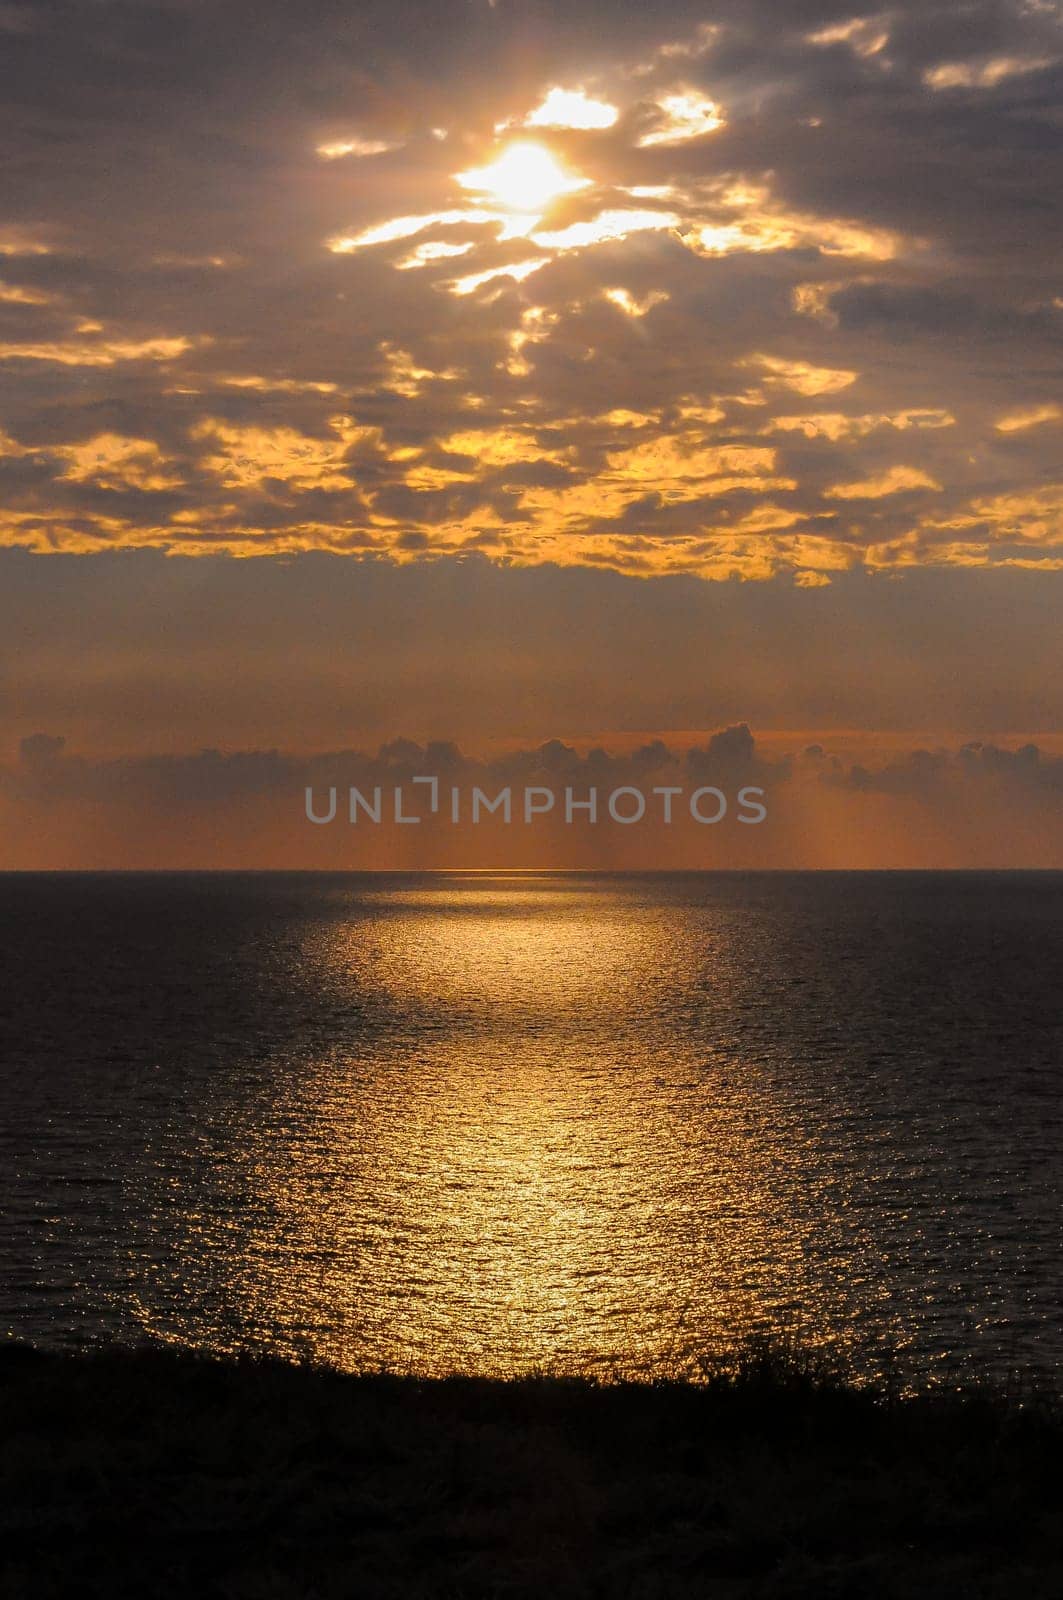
[(526, 177)]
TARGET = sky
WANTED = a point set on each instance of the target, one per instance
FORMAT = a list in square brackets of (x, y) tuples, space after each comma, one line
[(512, 378)]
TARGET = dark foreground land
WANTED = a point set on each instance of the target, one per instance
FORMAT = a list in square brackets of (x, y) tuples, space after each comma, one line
[(162, 1474)]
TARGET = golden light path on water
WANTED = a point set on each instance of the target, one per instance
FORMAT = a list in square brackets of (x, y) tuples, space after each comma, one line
[(513, 1152)]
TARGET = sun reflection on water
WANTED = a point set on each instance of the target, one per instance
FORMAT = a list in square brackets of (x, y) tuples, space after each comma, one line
[(493, 1122), (513, 1165)]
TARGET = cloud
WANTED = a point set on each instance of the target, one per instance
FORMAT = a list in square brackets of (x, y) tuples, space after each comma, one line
[(897, 480), (809, 807), (39, 750), (712, 227), (866, 36), (802, 377), (336, 149), (1028, 417), (982, 74), (93, 353), (683, 114), (567, 108), (136, 652)]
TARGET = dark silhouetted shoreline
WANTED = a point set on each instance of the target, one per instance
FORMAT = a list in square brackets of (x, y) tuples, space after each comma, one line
[(159, 1472)]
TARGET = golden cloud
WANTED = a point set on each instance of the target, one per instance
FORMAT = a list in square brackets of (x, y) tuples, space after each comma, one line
[(898, 480)]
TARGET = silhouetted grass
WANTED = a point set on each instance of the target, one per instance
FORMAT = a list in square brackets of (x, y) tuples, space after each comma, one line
[(161, 1473)]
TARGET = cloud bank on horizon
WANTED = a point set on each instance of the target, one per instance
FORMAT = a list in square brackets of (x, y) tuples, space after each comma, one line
[(717, 290), (553, 806)]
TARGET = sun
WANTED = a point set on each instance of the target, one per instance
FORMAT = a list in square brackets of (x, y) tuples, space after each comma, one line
[(525, 178)]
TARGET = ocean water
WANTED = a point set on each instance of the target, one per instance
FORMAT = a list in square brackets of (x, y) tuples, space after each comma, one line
[(491, 1122)]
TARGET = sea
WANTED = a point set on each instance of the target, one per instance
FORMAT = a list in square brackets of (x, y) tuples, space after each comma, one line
[(500, 1122)]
